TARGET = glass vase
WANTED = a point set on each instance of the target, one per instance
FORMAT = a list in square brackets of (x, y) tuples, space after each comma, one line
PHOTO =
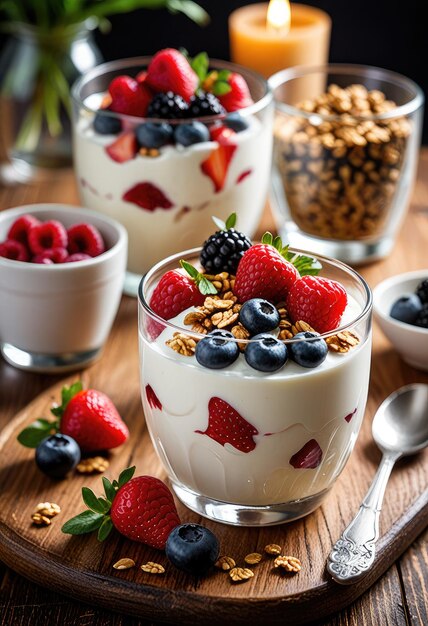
[(36, 71)]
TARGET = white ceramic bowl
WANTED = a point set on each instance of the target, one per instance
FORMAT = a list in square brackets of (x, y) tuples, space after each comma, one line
[(57, 317), (411, 342)]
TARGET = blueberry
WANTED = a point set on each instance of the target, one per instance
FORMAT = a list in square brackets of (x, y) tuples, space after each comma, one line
[(308, 353), (106, 124), (266, 353), (259, 316), (236, 122), (192, 548), (422, 318), (216, 350), (406, 309), (189, 134), (151, 135), (57, 455)]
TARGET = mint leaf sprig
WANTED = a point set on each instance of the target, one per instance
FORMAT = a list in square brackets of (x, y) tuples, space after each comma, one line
[(229, 223), (305, 265), (41, 428), (215, 81), (97, 515), (205, 286)]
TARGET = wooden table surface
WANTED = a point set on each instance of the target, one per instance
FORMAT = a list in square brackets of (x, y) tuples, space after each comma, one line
[(399, 598)]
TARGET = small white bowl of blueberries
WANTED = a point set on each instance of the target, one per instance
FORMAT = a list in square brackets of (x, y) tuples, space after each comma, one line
[(400, 306)]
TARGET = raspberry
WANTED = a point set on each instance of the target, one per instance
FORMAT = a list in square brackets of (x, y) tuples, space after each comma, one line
[(77, 256), (319, 302), (56, 255), (20, 228), (174, 293), (42, 260), (13, 250), (47, 235), (85, 238)]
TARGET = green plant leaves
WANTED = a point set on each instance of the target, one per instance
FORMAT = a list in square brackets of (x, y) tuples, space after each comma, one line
[(200, 64), (34, 434), (109, 489), (205, 286), (105, 528), (85, 522)]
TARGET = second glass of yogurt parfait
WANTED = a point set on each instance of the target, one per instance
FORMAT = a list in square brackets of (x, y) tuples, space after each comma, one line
[(243, 446), (165, 197)]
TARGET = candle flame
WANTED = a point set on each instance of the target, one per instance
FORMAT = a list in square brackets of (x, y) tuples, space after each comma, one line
[(279, 15)]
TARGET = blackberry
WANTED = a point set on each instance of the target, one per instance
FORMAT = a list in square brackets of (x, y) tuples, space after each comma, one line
[(204, 103), (167, 106), (222, 251), (422, 291), (422, 317)]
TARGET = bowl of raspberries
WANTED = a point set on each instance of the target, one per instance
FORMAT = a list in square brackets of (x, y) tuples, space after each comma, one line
[(61, 276), (401, 309)]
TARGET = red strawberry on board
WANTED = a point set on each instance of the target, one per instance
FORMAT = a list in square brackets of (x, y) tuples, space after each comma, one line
[(239, 95), (308, 457), (152, 398), (217, 164), (86, 415), (140, 508), (169, 70), (226, 425), (124, 148), (320, 302), (129, 97), (147, 196)]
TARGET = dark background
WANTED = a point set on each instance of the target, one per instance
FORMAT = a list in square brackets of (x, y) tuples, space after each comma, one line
[(384, 33)]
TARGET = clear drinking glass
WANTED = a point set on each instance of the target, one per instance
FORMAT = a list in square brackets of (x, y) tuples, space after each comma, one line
[(186, 185), (301, 424), (346, 142)]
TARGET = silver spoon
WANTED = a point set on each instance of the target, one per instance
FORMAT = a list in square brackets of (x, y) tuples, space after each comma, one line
[(400, 428)]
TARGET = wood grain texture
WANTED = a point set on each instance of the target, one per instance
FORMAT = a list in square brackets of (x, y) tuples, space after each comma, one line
[(400, 595), (82, 568)]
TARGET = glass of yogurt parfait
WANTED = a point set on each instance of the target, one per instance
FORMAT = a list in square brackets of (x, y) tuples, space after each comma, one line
[(161, 147), (253, 428)]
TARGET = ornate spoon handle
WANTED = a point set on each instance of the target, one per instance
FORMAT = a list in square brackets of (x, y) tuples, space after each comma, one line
[(353, 554)]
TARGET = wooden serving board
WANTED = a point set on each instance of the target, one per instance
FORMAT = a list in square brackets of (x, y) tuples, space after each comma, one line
[(82, 568)]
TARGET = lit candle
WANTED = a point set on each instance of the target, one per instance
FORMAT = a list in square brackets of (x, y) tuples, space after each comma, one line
[(269, 38)]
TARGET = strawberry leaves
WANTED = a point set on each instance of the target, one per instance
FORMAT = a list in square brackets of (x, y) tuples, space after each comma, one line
[(204, 285), (41, 428), (215, 81), (229, 223), (97, 517), (305, 265)]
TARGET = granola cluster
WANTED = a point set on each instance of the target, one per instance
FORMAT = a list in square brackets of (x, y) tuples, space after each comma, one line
[(340, 176)]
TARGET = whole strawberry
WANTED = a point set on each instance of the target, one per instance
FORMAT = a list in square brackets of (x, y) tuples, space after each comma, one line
[(88, 416), (176, 292), (169, 70), (238, 96), (320, 302), (140, 508)]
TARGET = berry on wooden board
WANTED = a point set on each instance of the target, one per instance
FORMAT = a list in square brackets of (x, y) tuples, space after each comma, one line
[(86, 415), (140, 508)]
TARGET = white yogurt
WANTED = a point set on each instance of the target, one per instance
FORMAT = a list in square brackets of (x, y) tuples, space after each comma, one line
[(288, 409), (154, 235)]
